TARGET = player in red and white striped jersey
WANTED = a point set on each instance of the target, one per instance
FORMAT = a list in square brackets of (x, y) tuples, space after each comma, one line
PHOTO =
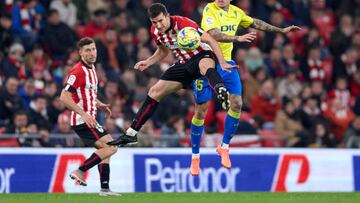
[(191, 66), (80, 96)]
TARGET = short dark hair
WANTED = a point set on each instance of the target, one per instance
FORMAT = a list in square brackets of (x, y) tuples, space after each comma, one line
[(155, 10), (52, 12), (84, 41)]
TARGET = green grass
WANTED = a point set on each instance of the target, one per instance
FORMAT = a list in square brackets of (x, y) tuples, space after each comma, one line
[(186, 198)]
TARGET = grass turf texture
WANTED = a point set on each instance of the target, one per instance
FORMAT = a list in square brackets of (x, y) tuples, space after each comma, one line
[(185, 197)]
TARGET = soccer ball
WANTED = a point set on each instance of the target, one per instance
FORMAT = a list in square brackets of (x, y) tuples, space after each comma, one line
[(188, 38)]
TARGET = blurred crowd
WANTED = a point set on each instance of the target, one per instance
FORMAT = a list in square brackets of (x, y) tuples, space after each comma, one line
[(303, 87)]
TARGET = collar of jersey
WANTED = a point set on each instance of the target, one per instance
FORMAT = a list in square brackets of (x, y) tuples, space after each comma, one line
[(86, 65)]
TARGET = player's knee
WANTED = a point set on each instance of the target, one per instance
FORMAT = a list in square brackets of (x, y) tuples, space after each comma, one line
[(236, 104), (155, 92), (200, 111), (112, 150)]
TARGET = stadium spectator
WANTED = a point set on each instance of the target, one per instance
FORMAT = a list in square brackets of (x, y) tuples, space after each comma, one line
[(106, 45), (13, 65), (289, 86), (95, 27), (255, 59), (265, 104), (127, 51), (38, 61), (347, 63), (141, 12), (10, 101), (63, 129), (310, 111), (67, 11), (341, 37), (54, 109), (6, 38), (341, 93), (321, 136), (26, 21), (21, 128), (274, 39), (288, 124), (38, 113), (27, 92), (172, 131), (274, 64), (57, 37), (352, 135), (340, 117), (253, 83)]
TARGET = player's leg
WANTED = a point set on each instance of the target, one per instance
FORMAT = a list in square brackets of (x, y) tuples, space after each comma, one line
[(156, 93), (202, 94), (92, 137), (197, 128), (207, 69), (233, 84), (104, 168)]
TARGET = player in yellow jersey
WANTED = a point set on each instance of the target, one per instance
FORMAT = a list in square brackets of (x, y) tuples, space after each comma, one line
[(221, 20)]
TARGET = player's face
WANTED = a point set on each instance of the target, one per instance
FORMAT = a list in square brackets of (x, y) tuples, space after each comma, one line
[(88, 53), (161, 22), (222, 3)]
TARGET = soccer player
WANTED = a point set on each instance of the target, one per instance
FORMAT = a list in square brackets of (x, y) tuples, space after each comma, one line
[(80, 96), (221, 21), (191, 65)]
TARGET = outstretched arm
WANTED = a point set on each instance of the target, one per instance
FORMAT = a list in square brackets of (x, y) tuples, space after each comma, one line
[(261, 25), (160, 53), (221, 37)]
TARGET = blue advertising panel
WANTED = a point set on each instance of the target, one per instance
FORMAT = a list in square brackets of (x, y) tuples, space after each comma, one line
[(26, 173), (170, 173)]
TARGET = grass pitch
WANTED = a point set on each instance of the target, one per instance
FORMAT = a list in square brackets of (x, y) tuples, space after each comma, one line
[(185, 198)]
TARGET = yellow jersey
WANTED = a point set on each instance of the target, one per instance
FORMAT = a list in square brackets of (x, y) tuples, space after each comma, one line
[(226, 22)]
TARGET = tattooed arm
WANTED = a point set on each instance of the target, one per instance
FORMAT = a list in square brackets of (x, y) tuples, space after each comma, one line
[(221, 37), (261, 25)]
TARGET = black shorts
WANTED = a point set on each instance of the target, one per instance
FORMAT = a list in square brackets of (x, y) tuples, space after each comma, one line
[(186, 73), (89, 135)]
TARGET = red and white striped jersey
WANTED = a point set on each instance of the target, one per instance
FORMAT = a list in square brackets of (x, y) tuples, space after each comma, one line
[(169, 38), (82, 79)]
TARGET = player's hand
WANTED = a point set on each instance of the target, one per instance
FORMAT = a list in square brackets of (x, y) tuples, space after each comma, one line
[(226, 67), (90, 121), (141, 65), (105, 108), (292, 28), (249, 37)]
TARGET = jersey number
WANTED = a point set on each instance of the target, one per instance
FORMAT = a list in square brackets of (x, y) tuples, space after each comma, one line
[(199, 85)]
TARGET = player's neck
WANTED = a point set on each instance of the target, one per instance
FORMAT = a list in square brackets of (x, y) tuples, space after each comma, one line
[(225, 8), (86, 64)]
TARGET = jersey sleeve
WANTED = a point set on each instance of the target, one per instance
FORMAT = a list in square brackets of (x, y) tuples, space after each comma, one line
[(209, 20), (73, 80), (154, 36), (186, 22), (244, 20)]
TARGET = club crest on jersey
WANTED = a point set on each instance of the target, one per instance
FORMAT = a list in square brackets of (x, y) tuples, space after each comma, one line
[(91, 86), (71, 80), (209, 21)]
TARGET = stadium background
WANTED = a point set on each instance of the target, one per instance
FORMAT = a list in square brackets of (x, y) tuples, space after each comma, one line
[(300, 90)]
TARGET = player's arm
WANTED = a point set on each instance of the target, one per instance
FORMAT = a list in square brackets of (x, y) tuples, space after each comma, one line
[(67, 99), (160, 53), (205, 37), (261, 25), (104, 107), (222, 37)]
